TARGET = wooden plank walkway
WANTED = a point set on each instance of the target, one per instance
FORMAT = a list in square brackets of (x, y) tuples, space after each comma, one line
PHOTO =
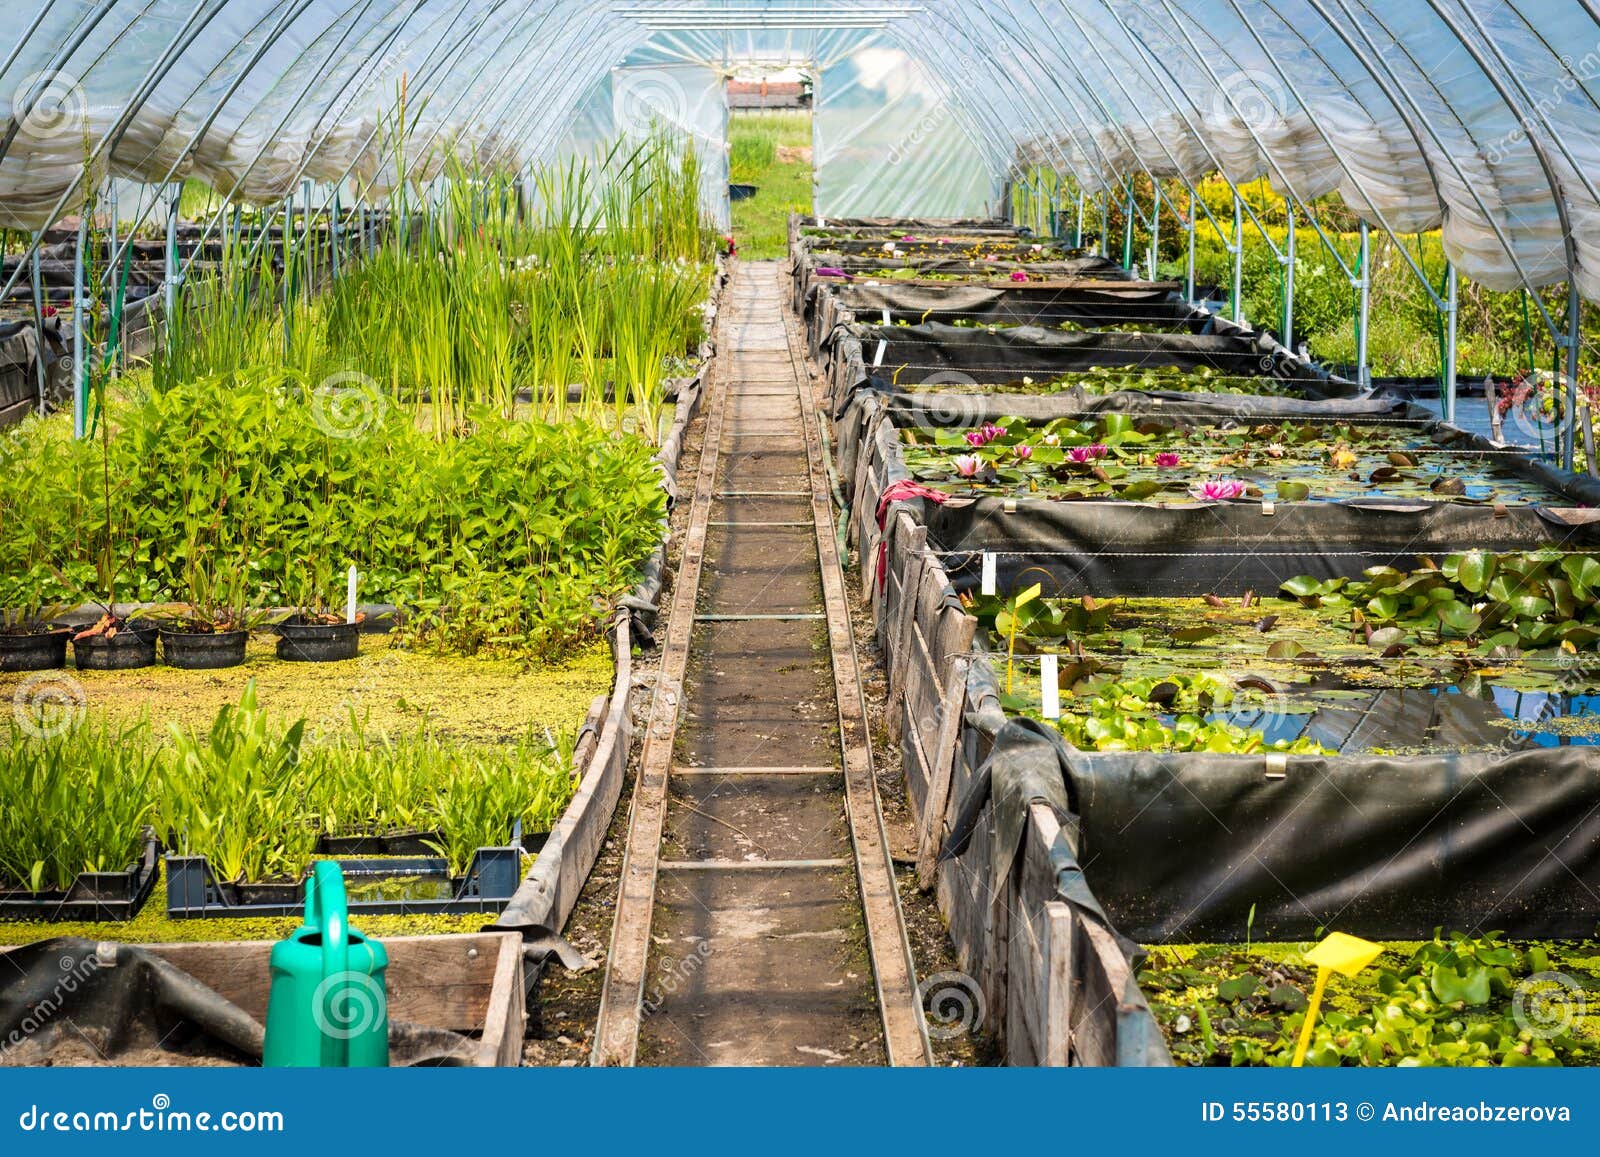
[(757, 920)]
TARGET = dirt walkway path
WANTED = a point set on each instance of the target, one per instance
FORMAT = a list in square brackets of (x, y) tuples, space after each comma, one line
[(757, 918)]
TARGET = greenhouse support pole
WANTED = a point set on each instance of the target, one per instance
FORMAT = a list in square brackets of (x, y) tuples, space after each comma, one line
[(1364, 287), (1288, 276), (173, 277), (1077, 229), (1452, 319), (1127, 231), (38, 323), (1188, 269), (80, 364), (1155, 234), (1573, 338), (307, 246), (333, 229), (111, 249), (1237, 249)]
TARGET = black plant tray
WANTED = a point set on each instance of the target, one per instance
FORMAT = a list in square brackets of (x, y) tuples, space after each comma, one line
[(194, 892), (94, 896), (408, 843)]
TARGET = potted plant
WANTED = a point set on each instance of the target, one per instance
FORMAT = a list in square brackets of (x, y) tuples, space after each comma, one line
[(209, 631), (29, 639), (313, 632)]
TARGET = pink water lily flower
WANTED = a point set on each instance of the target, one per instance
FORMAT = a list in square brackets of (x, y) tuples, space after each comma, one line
[(1082, 454), (1018, 275), (1167, 459), (967, 465), (1219, 490), (908, 237), (1023, 453), (976, 438)]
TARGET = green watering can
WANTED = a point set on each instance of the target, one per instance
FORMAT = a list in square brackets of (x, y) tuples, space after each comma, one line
[(327, 1007)]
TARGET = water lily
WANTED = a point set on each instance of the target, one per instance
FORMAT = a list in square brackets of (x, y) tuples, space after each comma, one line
[(967, 465), (1018, 275), (888, 246), (1038, 248), (1051, 439), (1023, 453), (976, 438), (1167, 459), (908, 237), (1219, 490), (1082, 454)]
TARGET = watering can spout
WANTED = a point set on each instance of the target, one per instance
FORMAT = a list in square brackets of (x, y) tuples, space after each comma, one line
[(327, 1006)]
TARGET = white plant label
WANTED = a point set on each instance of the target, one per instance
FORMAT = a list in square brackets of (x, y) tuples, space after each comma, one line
[(877, 358), (886, 319), (988, 580), (1049, 688)]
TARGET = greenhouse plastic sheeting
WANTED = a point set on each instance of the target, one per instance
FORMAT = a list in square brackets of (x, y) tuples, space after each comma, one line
[(1480, 116)]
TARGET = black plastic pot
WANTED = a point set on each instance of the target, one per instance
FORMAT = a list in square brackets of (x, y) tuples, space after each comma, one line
[(129, 649), (741, 192), (40, 651), (203, 650), (318, 642)]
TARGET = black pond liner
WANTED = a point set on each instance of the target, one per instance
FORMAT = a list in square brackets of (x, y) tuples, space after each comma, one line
[(318, 642), (1179, 847), (1140, 549), (1103, 304), (194, 892), (908, 224), (927, 247), (927, 374), (39, 651), (742, 192), (93, 897), (132, 647), (203, 650)]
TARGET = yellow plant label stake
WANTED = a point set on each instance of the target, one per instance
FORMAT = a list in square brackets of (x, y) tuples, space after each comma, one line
[(1346, 955)]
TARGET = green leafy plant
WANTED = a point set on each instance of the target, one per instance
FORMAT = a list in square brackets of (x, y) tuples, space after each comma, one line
[(74, 800)]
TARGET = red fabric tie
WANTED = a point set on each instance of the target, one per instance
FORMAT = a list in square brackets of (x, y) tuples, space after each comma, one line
[(902, 491)]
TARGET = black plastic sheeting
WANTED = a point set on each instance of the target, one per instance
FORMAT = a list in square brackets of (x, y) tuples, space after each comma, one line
[(1388, 847), (919, 352), (1026, 766), (1179, 847), (911, 224), (119, 1000), (1100, 304)]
